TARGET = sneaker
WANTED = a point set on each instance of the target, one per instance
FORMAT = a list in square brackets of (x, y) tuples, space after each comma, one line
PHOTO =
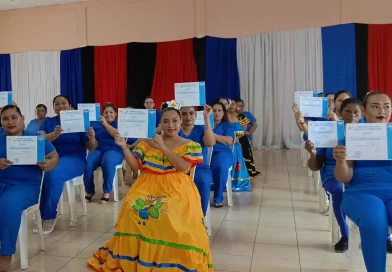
[(342, 245), (389, 245), (48, 226)]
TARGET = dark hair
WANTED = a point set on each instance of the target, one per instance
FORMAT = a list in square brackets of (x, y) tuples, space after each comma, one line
[(240, 100), (41, 105), (325, 95), (166, 108), (224, 118), (370, 94), (147, 97), (63, 96), (10, 107), (110, 105), (349, 101), (339, 93)]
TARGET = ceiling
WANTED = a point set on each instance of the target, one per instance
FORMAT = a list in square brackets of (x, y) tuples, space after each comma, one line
[(18, 4)]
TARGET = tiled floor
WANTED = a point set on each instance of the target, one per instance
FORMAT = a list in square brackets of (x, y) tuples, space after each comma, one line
[(276, 227)]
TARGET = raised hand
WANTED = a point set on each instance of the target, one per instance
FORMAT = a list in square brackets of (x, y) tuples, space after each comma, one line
[(120, 141), (158, 140), (309, 146), (299, 117), (91, 133), (103, 121), (4, 164), (57, 131), (207, 111), (339, 153)]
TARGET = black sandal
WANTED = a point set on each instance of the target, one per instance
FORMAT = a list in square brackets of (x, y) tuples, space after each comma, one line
[(104, 200), (218, 205), (88, 198)]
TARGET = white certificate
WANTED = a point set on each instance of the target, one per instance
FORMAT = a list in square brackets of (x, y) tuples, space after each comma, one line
[(190, 94), (314, 106), (369, 141), (326, 134), (94, 110), (5, 99), (135, 123), (25, 150), (74, 121), (298, 96), (200, 119)]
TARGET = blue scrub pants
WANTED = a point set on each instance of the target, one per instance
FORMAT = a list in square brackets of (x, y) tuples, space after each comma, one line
[(203, 180), (69, 167), (221, 161), (372, 212), (335, 188), (107, 160), (14, 199)]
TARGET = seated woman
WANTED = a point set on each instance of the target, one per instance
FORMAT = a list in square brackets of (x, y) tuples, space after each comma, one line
[(322, 159), (367, 200), (19, 184), (107, 155), (161, 225), (239, 174), (41, 112), (222, 156), (203, 135), (72, 151)]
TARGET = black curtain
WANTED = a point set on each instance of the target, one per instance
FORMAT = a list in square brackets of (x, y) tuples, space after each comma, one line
[(199, 52), (141, 67), (88, 74), (361, 49)]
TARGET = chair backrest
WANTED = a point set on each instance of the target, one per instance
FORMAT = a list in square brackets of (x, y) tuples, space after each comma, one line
[(192, 173), (209, 154), (40, 187)]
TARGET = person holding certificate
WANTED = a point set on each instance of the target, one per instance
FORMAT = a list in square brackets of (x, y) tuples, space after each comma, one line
[(107, 155), (19, 184), (71, 148), (203, 135), (41, 112), (161, 224), (222, 156), (367, 200), (322, 159)]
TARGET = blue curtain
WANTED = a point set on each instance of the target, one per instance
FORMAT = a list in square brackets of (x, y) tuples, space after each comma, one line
[(5, 73), (71, 74), (339, 58), (221, 77)]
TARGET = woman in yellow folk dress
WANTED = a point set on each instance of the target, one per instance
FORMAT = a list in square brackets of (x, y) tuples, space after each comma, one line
[(161, 224)]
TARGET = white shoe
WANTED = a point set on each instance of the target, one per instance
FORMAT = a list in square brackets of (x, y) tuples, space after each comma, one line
[(48, 226)]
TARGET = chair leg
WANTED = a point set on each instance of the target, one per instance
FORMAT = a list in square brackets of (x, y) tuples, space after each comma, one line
[(83, 199), (229, 190), (72, 202), (353, 248), (208, 221), (115, 186), (322, 197), (41, 240), (23, 242), (61, 205)]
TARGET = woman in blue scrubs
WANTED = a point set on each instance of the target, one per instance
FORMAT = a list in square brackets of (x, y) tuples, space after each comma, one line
[(367, 200), (41, 112), (222, 156), (203, 135), (71, 148), (19, 184), (107, 155), (322, 159)]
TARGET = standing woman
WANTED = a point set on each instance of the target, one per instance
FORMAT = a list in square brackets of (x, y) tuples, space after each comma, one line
[(161, 224), (107, 155), (34, 124), (367, 200), (71, 148), (19, 184), (222, 156), (203, 135), (322, 159), (239, 174)]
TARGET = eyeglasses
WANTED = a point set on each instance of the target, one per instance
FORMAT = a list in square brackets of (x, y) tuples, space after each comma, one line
[(148, 102)]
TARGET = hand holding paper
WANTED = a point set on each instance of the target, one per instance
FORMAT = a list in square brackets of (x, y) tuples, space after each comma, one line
[(339, 153), (309, 146), (91, 133), (207, 111), (4, 164)]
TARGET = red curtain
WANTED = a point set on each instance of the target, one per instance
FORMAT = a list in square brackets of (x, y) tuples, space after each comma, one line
[(110, 66), (380, 58), (174, 64)]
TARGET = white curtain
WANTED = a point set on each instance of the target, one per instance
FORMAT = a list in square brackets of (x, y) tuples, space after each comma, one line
[(272, 66), (35, 80)]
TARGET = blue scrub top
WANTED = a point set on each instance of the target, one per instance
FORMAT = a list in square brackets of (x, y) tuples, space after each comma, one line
[(252, 120), (67, 144), (158, 117), (2, 130), (33, 126), (105, 140), (197, 135), (223, 129), (328, 168), (15, 174)]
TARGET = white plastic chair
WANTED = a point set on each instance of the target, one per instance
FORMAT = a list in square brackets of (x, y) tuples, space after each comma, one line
[(70, 186), (304, 153), (23, 230), (116, 181), (353, 245), (333, 224), (208, 214)]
